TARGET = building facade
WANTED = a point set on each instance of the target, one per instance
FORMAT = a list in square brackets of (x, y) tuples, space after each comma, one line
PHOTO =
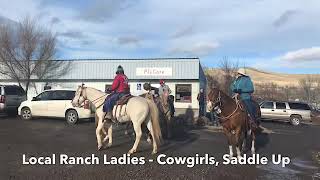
[(184, 76)]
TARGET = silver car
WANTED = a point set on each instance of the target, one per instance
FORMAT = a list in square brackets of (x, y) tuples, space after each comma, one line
[(11, 97), (295, 112)]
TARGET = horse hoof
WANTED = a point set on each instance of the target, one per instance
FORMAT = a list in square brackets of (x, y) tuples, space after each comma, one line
[(100, 148), (131, 151), (239, 157), (109, 145), (154, 152), (149, 141)]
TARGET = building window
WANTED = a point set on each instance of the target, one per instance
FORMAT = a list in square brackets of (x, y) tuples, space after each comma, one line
[(183, 93)]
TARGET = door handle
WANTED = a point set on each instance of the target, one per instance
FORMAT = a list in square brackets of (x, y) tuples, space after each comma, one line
[(272, 110), (284, 111)]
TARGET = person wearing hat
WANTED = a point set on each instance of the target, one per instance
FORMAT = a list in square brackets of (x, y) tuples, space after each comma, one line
[(164, 93), (243, 86), (119, 88)]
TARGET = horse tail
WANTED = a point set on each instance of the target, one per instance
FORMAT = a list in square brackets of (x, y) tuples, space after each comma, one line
[(154, 112)]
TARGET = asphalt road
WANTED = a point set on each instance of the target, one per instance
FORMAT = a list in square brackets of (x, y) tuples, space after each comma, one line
[(44, 137)]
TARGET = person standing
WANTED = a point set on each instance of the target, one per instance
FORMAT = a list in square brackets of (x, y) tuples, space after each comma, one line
[(201, 100)]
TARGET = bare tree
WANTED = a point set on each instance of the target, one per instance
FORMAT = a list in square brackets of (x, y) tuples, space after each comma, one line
[(26, 53), (229, 69), (308, 88)]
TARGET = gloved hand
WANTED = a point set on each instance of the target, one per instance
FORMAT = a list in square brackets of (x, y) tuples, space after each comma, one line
[(108, 91)]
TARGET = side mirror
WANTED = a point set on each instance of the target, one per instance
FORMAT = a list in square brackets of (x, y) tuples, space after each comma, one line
[(34, 99)]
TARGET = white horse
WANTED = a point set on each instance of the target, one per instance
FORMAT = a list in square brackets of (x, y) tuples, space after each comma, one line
[(137, 110)]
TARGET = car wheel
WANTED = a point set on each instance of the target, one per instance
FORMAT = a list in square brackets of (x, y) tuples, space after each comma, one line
[(295, 120), (72, 117), (26, 114)]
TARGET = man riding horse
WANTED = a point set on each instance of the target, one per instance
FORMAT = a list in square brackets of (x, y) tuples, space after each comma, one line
[(119, 88), (243, 87)]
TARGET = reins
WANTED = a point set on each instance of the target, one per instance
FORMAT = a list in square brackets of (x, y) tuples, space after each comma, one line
[(226, 118), (93, 101)]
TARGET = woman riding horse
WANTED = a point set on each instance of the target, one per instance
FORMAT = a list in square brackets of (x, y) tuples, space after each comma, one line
[(119, 88), (243, 87)]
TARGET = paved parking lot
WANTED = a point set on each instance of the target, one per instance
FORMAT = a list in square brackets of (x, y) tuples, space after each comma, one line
[(43, 137)]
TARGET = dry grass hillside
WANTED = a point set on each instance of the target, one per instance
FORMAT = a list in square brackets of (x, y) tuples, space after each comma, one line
[(262, 77)]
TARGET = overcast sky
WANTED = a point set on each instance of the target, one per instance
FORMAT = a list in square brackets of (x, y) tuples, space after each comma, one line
[(273, 35)]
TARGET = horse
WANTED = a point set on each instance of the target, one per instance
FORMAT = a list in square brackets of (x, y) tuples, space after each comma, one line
[(234, 119), (166, 113), (137, 110)]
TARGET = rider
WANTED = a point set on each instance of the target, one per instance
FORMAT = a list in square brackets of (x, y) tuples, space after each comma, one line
[(243, 86), (164, 93), (119, 88)]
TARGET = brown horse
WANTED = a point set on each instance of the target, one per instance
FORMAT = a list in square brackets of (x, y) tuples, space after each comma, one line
[(234, 119)]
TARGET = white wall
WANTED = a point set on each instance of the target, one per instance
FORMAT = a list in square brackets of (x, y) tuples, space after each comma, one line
[(133, 87)]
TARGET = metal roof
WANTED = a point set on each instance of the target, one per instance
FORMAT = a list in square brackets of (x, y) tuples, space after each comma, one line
[(96, 69)]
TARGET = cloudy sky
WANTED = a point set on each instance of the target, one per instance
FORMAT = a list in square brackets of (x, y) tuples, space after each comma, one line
[(273, 35)]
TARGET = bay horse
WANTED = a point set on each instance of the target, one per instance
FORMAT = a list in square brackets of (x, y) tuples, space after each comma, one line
[(137, 110), (234, 120)]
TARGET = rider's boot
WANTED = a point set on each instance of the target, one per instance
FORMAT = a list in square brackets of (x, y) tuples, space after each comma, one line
[(108, 116)]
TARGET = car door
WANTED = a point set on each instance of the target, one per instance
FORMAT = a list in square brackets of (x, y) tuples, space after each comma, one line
[(40, 104), (56, 106), (267, 109), (281, 111)]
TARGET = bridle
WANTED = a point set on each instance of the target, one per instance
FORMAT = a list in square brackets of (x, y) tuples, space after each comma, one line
[(218, 107), (85, 98)]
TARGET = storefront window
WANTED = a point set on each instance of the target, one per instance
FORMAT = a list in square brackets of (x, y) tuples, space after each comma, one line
[(183, 93)]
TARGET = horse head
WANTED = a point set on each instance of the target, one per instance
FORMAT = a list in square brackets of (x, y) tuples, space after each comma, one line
[(80, 96), (214, 99)]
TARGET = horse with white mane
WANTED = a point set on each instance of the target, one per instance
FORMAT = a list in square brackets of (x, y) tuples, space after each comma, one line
[(137, 110)]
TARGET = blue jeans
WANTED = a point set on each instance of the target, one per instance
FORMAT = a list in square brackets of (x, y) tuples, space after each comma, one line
[(250, 108), (111, 101), (201, 109)]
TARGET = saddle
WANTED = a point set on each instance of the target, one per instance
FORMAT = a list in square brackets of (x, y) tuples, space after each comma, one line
[(124, 99)]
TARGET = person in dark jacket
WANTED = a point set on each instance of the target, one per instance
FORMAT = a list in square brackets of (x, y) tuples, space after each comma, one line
[(243, 86), (201, 100), (119, 88)]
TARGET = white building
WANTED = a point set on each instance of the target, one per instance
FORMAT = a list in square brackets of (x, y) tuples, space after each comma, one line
[(184, 76)]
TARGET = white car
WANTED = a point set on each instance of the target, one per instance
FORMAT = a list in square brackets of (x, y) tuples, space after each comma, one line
[(55, 103)]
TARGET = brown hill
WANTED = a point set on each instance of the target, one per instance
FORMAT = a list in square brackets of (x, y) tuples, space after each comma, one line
[(261, 77)]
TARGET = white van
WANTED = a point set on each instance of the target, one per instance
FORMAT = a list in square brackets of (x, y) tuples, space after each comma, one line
[(55, 103)]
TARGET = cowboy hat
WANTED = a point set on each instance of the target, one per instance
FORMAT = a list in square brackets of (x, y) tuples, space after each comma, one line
[(242, 71)]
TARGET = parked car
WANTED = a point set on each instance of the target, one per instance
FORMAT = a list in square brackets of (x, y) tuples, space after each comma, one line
[(55, 103), (11, 97), (294, 112)]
